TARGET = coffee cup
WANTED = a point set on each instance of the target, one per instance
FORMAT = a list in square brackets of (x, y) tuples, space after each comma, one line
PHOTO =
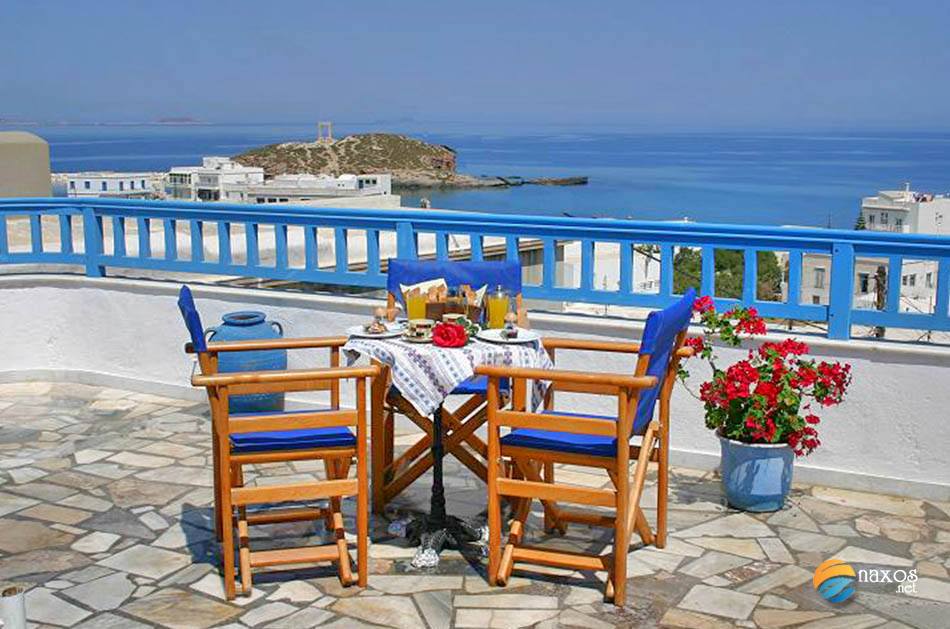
[(420, 328)]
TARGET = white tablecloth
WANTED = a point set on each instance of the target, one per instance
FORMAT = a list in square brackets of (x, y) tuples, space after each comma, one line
[(425, 374)]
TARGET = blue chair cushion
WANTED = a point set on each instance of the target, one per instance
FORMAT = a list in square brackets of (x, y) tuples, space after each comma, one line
[(593, 445), (478, 385), (303, 439)]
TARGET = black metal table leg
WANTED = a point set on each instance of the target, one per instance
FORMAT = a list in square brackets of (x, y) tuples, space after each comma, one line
[(438, 530)]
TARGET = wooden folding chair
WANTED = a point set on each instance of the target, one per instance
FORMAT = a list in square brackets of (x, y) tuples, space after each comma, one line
[(538, 441), (391, 476), (253, 438)]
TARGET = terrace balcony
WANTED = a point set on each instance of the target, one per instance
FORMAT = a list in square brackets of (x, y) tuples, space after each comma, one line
[(106, 512), (104, 448)]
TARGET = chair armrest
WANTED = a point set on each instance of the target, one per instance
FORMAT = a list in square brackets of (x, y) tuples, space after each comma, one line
[(603, 346), (290, 375), (293, 343), (587, 344), (561, 375)]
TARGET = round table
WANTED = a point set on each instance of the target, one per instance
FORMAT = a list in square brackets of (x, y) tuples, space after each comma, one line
[(424, 375)]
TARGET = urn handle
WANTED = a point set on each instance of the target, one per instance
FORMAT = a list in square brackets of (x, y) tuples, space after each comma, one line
[(278, 327)]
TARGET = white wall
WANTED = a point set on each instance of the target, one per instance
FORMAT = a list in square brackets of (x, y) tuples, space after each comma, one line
[(890, 435)]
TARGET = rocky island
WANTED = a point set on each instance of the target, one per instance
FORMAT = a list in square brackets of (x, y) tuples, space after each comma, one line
[(413, 163)]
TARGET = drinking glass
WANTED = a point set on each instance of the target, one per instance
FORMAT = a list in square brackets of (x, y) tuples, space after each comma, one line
[(497, 309), (416, 306)]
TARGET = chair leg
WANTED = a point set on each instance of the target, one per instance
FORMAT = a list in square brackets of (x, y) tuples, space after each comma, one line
[(244, 555), (362, 523), (643, 528), (494, 515), (520, 510), (378, 414), (331, 466), (243, 534), (389, 437), (237, 480), (518, 505), (217, 488), (227, 532), (548, 478), (339, 468), (527, 471), (621, 542), (662, 493)]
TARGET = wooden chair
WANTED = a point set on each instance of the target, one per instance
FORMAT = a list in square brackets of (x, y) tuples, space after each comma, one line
[(391, 476), (252, 438), (532, 448)]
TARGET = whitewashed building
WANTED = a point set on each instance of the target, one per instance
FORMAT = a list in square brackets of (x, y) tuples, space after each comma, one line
[(223, 179), (903, 211), (217, 179), (138, 185), (304, 188), (907, 211)]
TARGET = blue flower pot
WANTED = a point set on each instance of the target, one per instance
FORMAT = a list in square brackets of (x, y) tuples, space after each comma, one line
[(756, 476), (245, 326)]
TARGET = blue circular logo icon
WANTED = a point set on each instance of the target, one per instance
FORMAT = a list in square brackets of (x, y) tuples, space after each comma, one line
[(834, 580)]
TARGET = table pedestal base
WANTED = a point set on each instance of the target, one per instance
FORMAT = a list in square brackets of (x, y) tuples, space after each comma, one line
[(432, 538), (438, 530)]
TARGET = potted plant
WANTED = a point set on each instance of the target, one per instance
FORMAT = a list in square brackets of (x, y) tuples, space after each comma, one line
[(763, 408)]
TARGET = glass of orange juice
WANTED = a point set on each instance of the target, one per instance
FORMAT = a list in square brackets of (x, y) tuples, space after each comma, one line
[(498, 304), (416, 306)]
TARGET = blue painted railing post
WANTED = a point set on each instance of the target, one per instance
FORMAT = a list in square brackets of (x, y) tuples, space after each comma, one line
[(92, 242), (707, 281), (405, 241), (842, 291)]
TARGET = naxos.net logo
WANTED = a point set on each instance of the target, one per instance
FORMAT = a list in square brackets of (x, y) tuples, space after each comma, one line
[(836, 580)]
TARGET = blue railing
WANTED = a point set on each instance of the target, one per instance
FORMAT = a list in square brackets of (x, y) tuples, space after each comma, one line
[(177, 237)]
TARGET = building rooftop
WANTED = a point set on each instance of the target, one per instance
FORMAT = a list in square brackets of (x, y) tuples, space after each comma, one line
[(104, 534), (112, 173)]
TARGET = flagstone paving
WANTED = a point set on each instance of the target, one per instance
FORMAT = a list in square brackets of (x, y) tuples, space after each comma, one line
[(105, 518)]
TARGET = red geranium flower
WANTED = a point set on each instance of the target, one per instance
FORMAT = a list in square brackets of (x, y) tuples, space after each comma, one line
[(768, 397), (449, 335), (703, 304), (696, 342)]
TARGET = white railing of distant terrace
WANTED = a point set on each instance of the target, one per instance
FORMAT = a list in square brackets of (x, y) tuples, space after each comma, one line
[(98, 234)]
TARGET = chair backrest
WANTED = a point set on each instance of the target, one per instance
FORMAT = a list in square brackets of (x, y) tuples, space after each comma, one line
[(475, 274), (659, 340), (186, 304)]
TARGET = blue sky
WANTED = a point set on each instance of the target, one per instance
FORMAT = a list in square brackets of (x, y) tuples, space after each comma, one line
[(643, 65)]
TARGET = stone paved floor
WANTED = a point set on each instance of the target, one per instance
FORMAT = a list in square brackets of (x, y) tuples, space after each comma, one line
[(104, 516)]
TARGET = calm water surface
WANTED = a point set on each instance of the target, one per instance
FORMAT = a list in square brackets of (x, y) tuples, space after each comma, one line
[(804, 179)]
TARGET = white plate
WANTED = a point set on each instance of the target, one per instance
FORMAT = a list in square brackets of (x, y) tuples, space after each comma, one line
[(493, 335), (359, 332)]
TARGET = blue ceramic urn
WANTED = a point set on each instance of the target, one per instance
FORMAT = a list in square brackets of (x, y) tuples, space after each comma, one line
[(245, 326), (756, 476)]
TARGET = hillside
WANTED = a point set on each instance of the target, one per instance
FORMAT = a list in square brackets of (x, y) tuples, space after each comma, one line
[(412, 162)]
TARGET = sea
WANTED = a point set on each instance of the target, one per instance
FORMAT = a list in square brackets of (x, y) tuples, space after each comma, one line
[(810, 179)]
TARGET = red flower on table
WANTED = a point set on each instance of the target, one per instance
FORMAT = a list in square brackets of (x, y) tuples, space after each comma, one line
[(449, 335)]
